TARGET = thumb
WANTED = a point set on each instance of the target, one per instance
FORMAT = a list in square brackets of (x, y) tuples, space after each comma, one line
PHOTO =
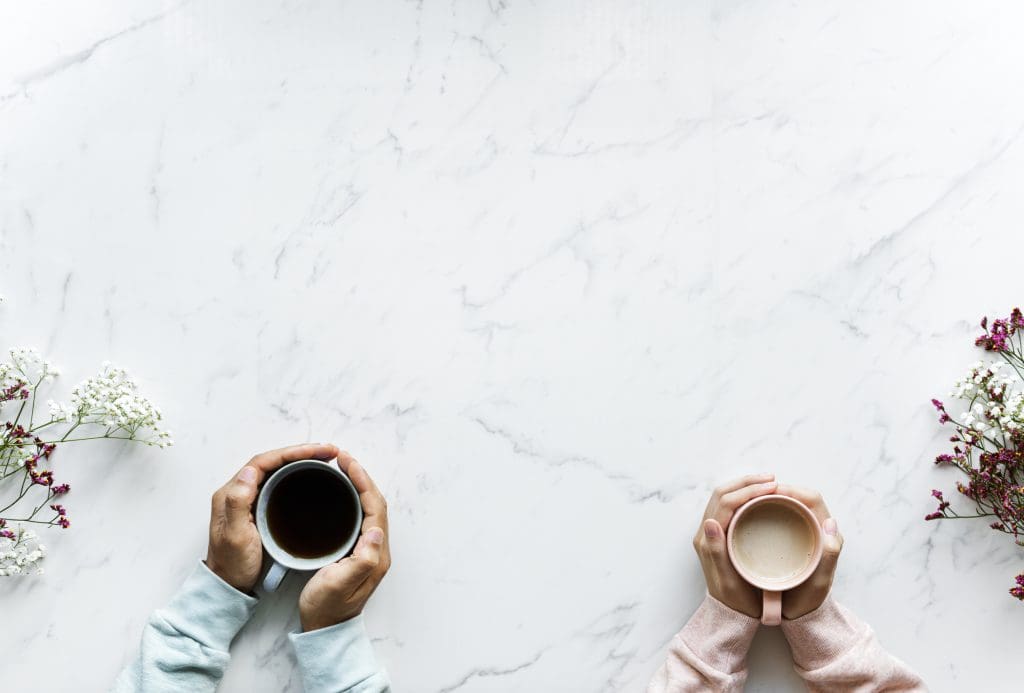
[(831, 548), (714, 539), (365, 557), (239, 494)]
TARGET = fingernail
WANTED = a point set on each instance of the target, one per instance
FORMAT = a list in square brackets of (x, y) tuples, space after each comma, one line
[(710, 530), (830, 527), (248, 475), (375, 535)]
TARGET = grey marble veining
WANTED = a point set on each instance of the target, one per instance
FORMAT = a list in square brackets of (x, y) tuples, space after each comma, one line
[(551, 271)]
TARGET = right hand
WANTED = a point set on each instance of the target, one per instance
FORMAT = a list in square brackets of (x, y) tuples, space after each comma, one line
[(724, 583), (339, 591), (811, 594)]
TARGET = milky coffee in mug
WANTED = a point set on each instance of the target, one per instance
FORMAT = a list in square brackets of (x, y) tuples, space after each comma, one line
[(775, 543)]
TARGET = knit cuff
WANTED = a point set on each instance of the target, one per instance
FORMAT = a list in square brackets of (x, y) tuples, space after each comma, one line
[(822, 635), (209, 610), (719, 636), (338, 658)]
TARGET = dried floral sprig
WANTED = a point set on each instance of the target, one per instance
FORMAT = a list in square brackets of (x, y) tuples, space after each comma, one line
[(988, 438), (105, 406)]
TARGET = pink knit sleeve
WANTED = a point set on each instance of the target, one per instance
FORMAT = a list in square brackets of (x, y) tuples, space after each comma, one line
[(709, 653), (833, 650)]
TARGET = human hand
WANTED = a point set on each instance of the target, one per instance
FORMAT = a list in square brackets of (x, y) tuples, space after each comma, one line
[(809, 595), (339, 591), (235, 553), (724, 583)]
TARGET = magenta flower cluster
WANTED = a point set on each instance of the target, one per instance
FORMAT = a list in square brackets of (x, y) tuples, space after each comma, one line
[(999, 336), (1018, 591), (34, 452), (988, 438)]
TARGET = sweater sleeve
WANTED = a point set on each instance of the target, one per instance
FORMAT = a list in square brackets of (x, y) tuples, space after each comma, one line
[(709, 653), (833, 650), (339, 659), (185, 645)]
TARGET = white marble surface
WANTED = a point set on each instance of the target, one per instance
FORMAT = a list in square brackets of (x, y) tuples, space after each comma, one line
[(551, 270)]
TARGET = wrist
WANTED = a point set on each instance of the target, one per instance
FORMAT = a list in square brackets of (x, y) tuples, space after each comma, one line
[(313, 622), (793, 613), (228, 577), (748, 604)]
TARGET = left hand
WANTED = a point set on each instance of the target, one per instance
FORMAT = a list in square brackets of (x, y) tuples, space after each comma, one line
[(235, 553), (809, 595), (723, 582)]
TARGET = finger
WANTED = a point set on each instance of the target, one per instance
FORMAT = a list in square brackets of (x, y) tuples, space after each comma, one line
[(748, 480), (729, 503), (734, 485), (833, 541), (356, 569), (714, 538), (238, 496), (831, 549), (715, 548), (266, 462), (809, 497), (375, 508)]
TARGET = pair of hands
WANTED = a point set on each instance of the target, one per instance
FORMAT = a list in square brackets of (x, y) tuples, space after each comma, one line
[(336, 592), (725, 584)]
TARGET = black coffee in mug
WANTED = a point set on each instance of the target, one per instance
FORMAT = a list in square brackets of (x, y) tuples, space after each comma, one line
[(311, 513)]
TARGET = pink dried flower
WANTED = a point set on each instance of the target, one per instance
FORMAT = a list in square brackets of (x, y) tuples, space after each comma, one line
[(941, 408), (988, 445), (62, 515), (1018, 591), (15, 391)]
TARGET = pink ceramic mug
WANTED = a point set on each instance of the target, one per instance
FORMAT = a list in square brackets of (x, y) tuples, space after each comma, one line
[(775, 558)]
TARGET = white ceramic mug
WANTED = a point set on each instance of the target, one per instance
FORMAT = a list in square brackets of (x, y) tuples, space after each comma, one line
[(284, 561)]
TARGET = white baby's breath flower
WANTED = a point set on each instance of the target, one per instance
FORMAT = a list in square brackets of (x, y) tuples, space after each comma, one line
[(19, 554), (30, 364), (111, 399), (59, 411)]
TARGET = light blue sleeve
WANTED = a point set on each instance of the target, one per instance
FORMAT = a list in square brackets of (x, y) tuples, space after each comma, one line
[(185, 645), (339, 659)]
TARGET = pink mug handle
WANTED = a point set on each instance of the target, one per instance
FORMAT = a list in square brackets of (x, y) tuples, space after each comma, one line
[(771, 610)]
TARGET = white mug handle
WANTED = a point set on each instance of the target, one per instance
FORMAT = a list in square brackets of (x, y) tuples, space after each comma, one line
[(274, 576)]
